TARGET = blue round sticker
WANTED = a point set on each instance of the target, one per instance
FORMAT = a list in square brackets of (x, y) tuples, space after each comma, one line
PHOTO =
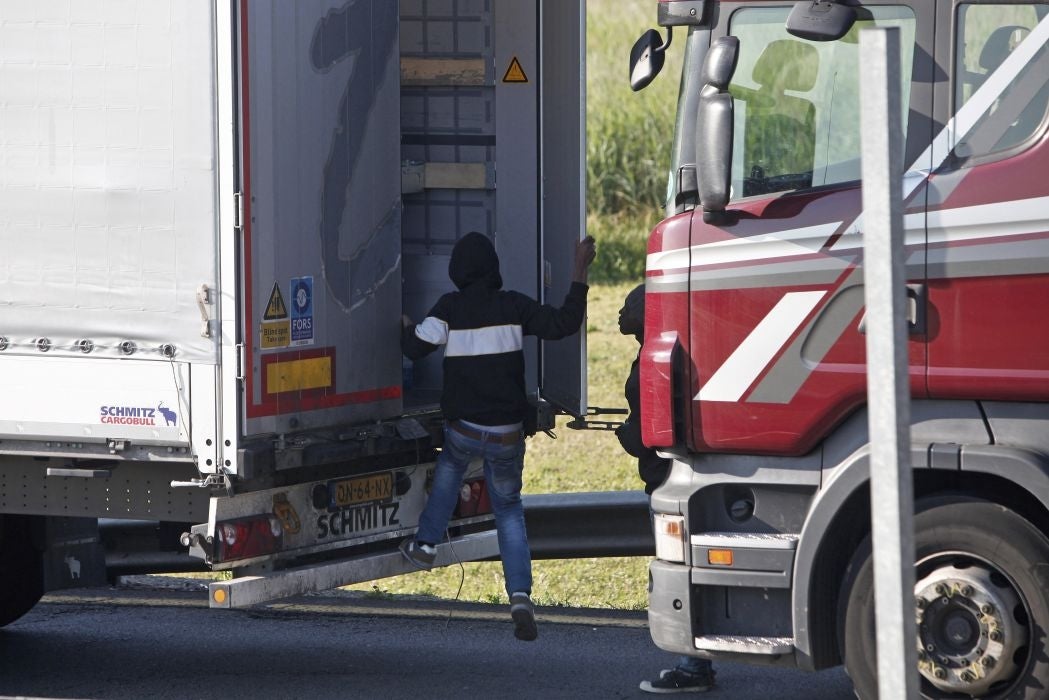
[(302, 296)]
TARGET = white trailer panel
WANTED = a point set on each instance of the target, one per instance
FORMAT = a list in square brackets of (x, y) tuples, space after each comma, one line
[(108, 208)]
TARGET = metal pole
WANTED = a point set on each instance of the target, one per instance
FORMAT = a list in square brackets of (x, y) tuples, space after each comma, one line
[(892, 491)]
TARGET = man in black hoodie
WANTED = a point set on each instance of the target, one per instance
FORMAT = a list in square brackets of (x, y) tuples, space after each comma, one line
[(484, 401)]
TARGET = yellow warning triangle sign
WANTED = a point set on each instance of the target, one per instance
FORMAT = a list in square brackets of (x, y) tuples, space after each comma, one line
[(275, 308), (515, 73)]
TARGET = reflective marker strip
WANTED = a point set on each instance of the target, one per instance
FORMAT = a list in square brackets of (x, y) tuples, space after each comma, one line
[(297, 375), (985, 222), (762, 248), (744, 365), (491, 340)]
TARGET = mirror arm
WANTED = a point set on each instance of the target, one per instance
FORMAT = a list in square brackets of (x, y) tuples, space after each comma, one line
[(666, 44)]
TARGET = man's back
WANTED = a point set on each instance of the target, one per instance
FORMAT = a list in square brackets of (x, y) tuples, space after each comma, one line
[(482, 328)]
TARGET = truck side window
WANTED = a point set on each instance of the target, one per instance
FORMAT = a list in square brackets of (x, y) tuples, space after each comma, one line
[(985, 36), (797, 111), (780, 135)]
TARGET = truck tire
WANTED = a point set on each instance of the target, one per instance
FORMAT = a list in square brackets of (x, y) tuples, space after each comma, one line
[(981, 600), (21, 569)]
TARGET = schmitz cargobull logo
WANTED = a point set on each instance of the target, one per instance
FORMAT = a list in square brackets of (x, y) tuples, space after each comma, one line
[(138, 415)]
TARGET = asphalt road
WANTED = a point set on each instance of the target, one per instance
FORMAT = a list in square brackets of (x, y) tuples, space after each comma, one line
[(145, 642)]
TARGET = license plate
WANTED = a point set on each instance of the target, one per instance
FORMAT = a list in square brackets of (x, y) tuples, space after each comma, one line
[(362, 489)]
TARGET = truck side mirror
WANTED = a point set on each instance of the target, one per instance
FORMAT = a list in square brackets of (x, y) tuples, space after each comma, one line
[(820, 20), (715, 128), (647, 57)]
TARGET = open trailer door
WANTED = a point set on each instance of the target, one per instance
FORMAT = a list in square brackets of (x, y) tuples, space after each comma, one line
[(320, 104), (562, 88)]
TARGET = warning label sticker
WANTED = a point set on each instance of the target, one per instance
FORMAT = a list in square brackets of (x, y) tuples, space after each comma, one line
[(275, 329), (275, 307), (275, 334), (515, 73)]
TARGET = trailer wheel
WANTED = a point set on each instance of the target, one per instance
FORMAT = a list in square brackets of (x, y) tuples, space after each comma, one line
[(21, 569), (981, 602)]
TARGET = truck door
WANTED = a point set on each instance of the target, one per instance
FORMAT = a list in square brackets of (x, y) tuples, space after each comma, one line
[(562, 82), (320, 176), (989, 206), (776, 295)]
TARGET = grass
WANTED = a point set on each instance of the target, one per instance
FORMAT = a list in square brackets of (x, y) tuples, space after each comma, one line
[(622, 240), (629, 137)]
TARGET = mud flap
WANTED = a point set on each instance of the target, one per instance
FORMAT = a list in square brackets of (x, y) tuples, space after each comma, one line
[(73, 556)]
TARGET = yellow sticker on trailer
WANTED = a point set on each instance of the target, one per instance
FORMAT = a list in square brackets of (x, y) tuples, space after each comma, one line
[(515, 73), (285, 511), (276, 309), (275, 334), (298, 375)]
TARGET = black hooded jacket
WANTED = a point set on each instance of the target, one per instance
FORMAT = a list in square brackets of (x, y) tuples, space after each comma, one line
[(482, 328)]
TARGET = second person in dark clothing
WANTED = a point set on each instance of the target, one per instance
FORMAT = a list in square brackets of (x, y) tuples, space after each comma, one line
[(484, 400), (691, 674)]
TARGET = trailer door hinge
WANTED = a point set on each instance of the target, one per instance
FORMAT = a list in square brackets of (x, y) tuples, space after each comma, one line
[(238, 211), (241, 362), (203, 301)]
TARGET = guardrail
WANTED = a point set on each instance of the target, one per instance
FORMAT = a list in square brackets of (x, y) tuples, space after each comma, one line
[(598, 524), (560, 526)]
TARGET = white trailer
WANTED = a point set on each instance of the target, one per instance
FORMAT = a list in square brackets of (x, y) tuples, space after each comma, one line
[(212, 217)]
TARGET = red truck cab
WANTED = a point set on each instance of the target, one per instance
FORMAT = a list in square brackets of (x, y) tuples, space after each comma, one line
[(754, 372)]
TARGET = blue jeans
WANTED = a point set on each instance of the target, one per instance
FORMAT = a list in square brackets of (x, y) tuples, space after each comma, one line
[(503, 465), (694, 665)]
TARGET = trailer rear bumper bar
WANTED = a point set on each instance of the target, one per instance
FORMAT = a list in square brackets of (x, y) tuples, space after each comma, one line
[(250, 590)]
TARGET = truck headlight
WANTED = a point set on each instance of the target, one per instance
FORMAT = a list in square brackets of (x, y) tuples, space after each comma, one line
[(670, 537)]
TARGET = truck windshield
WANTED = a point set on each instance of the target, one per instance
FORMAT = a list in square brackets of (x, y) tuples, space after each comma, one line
[(797, 111)]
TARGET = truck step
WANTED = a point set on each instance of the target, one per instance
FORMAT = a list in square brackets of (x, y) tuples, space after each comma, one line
[(745, 540), (766, 646)]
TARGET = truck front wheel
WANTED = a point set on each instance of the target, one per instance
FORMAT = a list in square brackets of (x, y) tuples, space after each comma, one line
[(981, 602), (21, 568)]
